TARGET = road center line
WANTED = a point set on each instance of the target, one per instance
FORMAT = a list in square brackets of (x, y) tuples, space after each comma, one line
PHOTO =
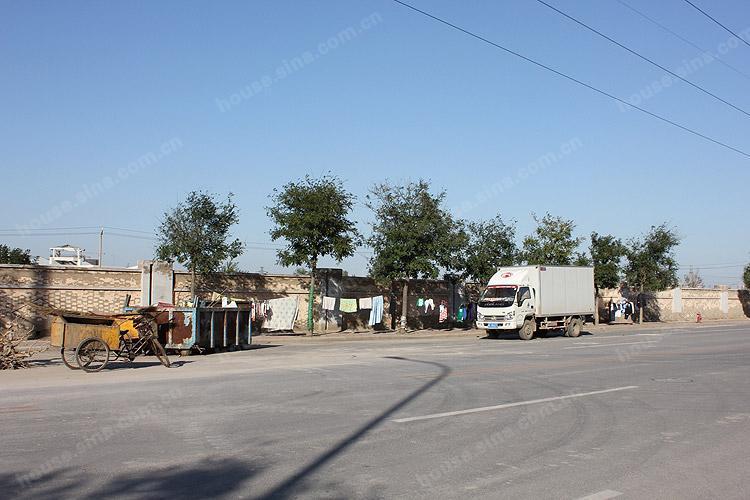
[(602, 495), (511, 405), (607, 345)]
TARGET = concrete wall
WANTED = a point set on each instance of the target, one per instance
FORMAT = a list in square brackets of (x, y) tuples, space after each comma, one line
[(682, 304)]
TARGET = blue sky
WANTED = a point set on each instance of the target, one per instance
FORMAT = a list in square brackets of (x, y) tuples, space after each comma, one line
[(90, 89)]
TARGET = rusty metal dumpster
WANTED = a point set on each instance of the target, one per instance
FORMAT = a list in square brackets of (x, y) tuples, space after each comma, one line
[(185, 328)]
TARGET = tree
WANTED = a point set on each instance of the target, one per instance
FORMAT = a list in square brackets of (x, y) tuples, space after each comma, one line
[(650, 260), (10, 255), (746, 276), (693, 279), (312, 217), (491, 245), (196, 234), (230, 267), (607, 253), (413, 236), (552, 242)]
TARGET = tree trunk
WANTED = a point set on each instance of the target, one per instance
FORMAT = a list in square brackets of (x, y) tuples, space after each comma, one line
[(311, 298), (596, 307), (192, 286), (404, 303), (640, 305)]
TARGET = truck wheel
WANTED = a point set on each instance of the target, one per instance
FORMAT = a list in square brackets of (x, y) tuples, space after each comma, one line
[(527, 330), (574, 328)]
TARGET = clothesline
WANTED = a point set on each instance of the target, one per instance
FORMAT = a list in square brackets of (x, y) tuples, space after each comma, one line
[(352, 305)]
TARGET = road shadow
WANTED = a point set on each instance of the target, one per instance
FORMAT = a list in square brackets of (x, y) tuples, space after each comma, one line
[(207, 478), (253, 347), (292, 486), (122, 365), (547, 335)]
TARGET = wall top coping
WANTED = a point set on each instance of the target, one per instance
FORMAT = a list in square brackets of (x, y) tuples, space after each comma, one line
[(35, 267)]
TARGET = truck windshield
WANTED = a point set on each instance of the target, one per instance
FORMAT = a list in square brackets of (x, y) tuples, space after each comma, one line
[(498, 296), (499, 293)]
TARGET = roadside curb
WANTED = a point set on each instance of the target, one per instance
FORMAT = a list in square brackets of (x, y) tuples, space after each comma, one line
[(470, 333)]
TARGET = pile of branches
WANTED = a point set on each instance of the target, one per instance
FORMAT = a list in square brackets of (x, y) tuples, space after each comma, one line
[(14, 355)]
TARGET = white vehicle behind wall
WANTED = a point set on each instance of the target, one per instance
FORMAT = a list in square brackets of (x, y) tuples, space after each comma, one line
[(532, 300)]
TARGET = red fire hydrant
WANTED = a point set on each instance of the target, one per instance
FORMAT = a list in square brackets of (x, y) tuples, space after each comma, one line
[(698, 318)]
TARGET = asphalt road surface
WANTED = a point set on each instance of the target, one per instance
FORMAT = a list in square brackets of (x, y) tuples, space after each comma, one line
[(653, 413)]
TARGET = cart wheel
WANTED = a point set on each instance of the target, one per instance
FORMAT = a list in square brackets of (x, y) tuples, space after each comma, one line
[(92, 354), (69, 358), (160, 353)]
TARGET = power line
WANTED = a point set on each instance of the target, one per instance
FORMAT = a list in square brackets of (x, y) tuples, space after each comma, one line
[(132, 236), (129, 230), (677, 35), (637, 54), (20, 235), (711, 266), (716, 21), (24, 230), (575, 80)]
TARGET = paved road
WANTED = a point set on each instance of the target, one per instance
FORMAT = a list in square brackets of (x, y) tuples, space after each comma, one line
[(662, 413)]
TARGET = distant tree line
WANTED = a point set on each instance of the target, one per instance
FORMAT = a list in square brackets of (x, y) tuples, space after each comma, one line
[(10, 255), (414, 235)]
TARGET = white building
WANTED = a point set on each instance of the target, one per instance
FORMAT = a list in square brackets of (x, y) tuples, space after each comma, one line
[(68, 255)]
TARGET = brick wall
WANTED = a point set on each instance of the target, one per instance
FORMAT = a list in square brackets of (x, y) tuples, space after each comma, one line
[(25, 291), (684, 304)]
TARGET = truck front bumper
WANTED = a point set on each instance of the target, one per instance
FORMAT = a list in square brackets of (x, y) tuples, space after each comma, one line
[(497, 325)]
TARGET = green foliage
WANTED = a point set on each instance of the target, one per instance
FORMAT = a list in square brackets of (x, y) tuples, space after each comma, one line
[(230, 267), (413, 235), (746, 276), (552, 243), (311, 216), (651, 263), (10, 255), (581, 259), (196, 234), (491, 245), (607, 253)]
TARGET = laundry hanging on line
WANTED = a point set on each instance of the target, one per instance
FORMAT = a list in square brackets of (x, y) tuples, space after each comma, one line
[(429, 305), (365, 303), (280, 313), (376, 313), (329, 303), (348, 305)]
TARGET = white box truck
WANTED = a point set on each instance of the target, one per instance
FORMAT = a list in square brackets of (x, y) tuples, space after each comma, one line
[(534, 299)]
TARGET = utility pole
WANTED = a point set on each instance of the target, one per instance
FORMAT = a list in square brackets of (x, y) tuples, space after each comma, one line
[(101, 245)]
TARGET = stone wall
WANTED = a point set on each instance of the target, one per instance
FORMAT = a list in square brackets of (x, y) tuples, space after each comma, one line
[(259, 287), (682, 304), (26, 291)]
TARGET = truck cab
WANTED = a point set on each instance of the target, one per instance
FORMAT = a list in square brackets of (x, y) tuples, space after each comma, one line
[(505, 307)]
